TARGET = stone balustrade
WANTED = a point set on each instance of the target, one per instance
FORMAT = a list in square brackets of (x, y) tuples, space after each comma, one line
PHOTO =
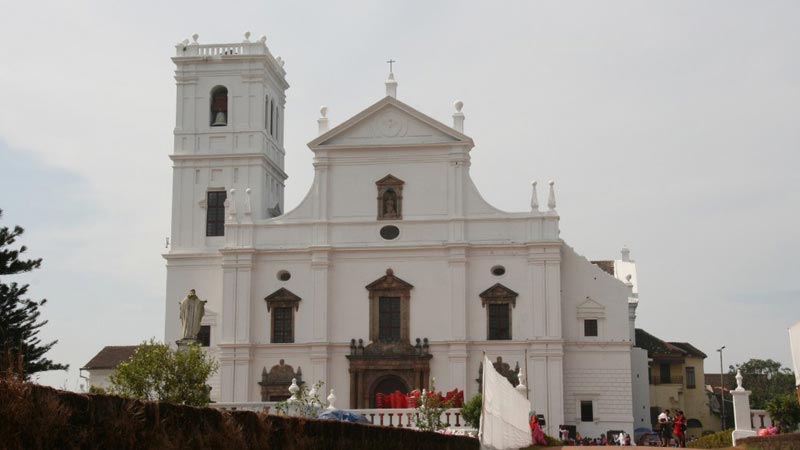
[(400, 417), (266, 407)]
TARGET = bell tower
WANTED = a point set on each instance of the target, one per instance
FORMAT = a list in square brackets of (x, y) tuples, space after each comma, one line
[(228, 146)]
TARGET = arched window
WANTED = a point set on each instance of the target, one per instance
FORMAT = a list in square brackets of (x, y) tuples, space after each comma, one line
[(219, 106), (272, 118)]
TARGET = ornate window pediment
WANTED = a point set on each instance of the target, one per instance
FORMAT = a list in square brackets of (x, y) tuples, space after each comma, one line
[(498, 315), (499, 294), (390, 198), (389, 309), (282, 303), (389, 282), (282, 297)]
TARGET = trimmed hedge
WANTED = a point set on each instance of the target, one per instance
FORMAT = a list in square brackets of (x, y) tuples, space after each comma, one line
[(35, 417), (777, 442)]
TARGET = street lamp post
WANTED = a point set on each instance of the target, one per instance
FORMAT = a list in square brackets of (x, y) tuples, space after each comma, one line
[(721, 389)]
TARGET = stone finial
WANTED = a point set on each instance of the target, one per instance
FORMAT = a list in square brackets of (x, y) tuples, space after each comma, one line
[(280, 61), (294, 389), (551, 199), (521, 388), (195, 37), (247, 206), (739, 378), (391, 86), (534, 197), (458, 116), (247, 36), (626, 253), (322, 122)]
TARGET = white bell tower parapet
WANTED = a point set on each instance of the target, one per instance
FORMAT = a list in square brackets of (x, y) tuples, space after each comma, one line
[(228, 135)]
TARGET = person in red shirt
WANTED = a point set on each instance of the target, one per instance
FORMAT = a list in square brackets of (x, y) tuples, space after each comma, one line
[(679, 428), (536, 431)]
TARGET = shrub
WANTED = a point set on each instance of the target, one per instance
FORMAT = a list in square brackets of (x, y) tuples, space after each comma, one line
[(471, 412), (777, 442), (720, 439), (785, 411), (551, 442)]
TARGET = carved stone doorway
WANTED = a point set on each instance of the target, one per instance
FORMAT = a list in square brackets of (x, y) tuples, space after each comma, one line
[(386, 385)]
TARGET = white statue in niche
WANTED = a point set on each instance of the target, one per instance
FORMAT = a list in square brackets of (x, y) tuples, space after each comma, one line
[(192, 311)]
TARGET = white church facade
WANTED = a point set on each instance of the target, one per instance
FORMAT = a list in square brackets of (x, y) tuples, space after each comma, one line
[(393, 269)]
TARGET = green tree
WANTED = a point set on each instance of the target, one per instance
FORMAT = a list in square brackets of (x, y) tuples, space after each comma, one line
[(157, 372), (766, 379), (785, 411), (21, 350)]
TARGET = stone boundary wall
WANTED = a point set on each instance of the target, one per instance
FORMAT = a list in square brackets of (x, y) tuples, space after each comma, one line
[(34, 417)]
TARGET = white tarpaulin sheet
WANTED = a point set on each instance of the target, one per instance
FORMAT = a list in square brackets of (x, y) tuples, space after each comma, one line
[(504, 416), (794, 342)]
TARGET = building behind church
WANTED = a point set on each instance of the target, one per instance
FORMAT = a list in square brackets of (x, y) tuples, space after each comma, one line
[(392, 271)]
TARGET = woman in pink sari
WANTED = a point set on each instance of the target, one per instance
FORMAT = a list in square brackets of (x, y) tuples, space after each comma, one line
[(536, 431)]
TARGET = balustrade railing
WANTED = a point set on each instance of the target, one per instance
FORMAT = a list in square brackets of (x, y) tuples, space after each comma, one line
[(401, 418), (243, 48), (674, 379), (267, 407)]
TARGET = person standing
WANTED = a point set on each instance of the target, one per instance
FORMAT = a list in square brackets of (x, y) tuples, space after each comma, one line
[(665, 428), (679, 428)]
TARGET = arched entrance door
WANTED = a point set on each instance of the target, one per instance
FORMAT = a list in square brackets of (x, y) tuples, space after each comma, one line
[(388, 385)]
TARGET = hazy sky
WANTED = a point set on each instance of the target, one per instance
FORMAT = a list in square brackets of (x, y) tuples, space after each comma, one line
[(671, 127)]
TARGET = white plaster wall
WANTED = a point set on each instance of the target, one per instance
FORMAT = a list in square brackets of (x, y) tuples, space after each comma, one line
[(583, 280), (99, 378), (592, 372), (641, 388), (204, 275)]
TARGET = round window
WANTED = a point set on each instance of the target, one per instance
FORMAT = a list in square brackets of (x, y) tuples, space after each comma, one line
[(498, 271), (390, 232), (284, 275)]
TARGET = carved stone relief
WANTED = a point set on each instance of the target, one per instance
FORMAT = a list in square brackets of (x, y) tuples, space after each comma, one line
[(275, 383)]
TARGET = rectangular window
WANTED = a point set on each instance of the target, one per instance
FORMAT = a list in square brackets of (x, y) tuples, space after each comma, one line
[(690, 381), (664, 373), (587, 411), (282, 326), (590, 327), (389, 319), (215, 213), (499, 322), (204, 336)]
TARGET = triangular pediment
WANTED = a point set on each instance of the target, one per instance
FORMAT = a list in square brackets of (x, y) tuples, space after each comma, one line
[(389, 122), (390, 180), (498, 294), (590, 308), (498, 291), (389, 282), (282, 297)]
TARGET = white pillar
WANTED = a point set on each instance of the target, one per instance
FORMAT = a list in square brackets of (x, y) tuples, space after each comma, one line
[(741, 411)]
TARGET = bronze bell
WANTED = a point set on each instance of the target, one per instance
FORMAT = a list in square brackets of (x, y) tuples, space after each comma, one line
[(220, 119)]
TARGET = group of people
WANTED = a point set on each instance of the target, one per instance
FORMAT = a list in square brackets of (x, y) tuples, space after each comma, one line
[(622, 438), (672, 428)]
